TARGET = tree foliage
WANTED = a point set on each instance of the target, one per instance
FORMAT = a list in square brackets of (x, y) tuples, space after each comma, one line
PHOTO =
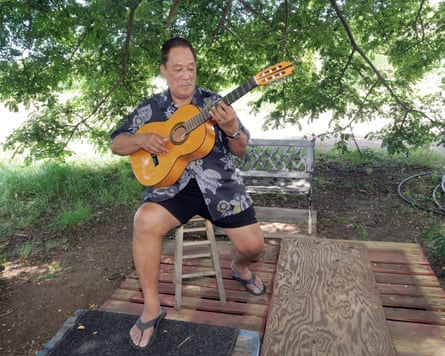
[(84, 64)]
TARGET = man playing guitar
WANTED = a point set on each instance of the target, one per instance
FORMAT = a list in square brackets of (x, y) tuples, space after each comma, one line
[(208, 185)]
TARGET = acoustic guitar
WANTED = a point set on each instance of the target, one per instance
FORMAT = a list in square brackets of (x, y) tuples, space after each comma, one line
[(190, 133)]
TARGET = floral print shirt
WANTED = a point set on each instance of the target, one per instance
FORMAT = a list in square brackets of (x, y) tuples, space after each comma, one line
[(221, 186)]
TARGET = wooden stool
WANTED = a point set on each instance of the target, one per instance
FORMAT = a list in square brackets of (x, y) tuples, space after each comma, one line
[(206, 226)]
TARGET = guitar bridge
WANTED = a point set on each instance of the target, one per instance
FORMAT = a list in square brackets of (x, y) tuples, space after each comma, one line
[(155, 159)]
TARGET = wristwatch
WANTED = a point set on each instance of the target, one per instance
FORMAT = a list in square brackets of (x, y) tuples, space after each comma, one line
[(235, 135)]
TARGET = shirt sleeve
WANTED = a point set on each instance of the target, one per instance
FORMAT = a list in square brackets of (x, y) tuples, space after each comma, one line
[(137, 118)]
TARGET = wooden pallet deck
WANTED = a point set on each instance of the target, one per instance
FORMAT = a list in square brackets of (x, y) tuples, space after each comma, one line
[(412, 299), (200, 302)]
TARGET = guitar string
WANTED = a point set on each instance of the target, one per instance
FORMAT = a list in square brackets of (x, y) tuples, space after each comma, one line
[(234, 95)]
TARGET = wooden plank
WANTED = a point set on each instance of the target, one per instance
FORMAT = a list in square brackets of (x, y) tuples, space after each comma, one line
[(214, 306), (418, 339), (415, 315), (196, 302), (402, 268), (203, 264), (403, 301), (247, 322), (409, 290), (124, 307), (395, 256), (407, 279), (205, 288), (408, 247), (412, 251), (266, 272), (234, 291), (324, 293), (210, 282), (226, 251)]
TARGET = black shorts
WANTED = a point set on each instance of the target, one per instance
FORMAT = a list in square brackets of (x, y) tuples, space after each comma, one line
[(190, 202)]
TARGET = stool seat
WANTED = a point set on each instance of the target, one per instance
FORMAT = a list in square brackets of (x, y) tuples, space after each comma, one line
[(206, 226)]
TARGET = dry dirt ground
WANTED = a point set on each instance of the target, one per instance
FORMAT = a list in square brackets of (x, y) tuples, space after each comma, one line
[(37, 295)]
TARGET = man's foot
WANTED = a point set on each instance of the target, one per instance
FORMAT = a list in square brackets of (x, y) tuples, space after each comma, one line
[(140, 328), (254, 285)]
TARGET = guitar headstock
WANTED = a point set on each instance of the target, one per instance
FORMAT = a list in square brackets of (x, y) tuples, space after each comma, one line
[(274, 73)]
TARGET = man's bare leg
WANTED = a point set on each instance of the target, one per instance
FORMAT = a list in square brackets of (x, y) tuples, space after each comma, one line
[(151, 223), (249, 244)]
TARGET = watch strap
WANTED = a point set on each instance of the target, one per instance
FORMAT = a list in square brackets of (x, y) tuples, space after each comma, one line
[(235, 135)]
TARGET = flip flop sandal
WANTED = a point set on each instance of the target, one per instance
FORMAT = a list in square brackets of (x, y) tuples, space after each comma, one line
[(246, 282), (154, 323)]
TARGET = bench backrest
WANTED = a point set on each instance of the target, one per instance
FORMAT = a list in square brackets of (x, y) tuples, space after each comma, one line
[(281, 166), (283, 158)]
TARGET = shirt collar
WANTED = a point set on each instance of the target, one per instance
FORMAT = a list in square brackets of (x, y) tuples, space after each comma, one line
[(195, 101)]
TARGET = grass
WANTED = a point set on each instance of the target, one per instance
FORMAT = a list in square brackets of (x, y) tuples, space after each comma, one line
[(28, 249), (62, 197), (436, 233), (52, 271), (422, 157)]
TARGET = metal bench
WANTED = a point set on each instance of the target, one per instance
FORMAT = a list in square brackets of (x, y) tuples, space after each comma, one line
[(283, 166)]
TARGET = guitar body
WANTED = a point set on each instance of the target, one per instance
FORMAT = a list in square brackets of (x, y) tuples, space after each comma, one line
[(165, 169)]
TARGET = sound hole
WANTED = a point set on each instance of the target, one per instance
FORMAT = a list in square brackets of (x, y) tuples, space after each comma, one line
[(155, 159), (178, 135)]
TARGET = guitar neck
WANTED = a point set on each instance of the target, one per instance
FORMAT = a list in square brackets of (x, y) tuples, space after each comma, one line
[(230, 98), (234, 95)]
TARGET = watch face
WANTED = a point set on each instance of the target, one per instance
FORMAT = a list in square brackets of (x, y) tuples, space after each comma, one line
[(236, 134)]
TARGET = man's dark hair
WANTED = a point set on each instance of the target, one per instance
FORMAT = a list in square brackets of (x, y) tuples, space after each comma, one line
[(172, 43)]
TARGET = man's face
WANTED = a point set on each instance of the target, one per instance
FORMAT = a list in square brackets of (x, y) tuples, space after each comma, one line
[(180, 73)]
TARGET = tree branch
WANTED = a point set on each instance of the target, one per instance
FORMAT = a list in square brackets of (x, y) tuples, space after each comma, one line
[(124, 70), (29, 33), (286, 24), (221, 21), (124, 67), (250, 8), (345, 68), (360, 108), (172, 13), (419, 19), (363, 55)]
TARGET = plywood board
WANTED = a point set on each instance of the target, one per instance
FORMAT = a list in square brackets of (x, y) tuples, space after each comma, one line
[(325, 302)]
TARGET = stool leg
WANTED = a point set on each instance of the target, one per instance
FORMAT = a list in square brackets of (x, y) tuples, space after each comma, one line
[(309, 220), (179, 236), (215, 260)]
